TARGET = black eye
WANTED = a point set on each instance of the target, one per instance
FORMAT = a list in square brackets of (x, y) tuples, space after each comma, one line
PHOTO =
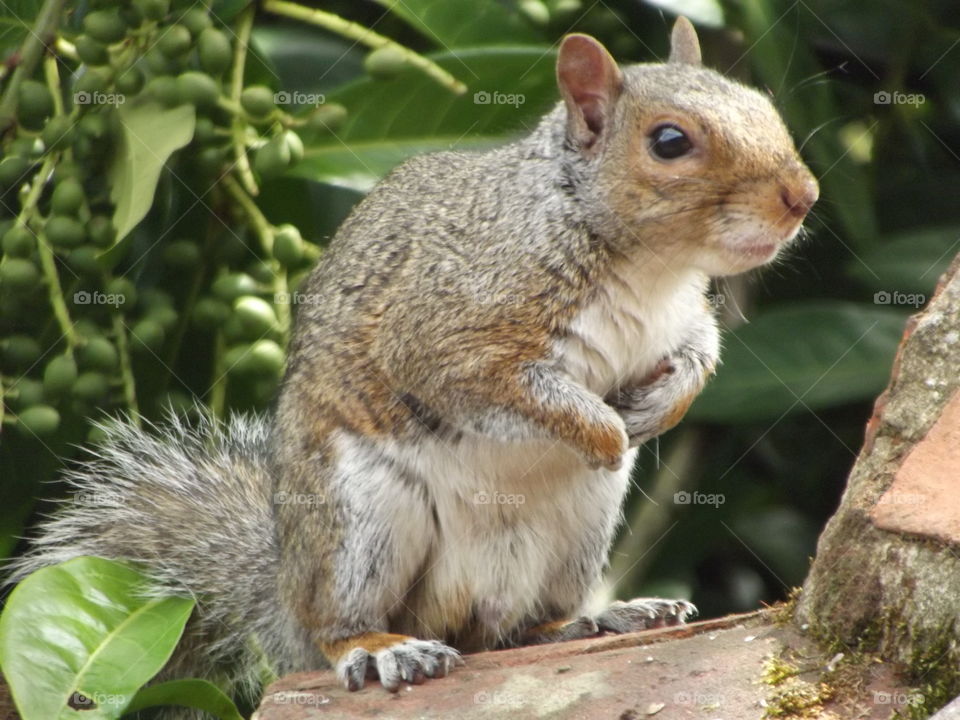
[(668, 142)]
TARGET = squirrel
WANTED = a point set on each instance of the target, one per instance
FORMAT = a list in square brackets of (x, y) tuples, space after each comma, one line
[(481, 350)]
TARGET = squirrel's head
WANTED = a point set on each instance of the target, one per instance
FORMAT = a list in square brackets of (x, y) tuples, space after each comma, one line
[(691, 165)]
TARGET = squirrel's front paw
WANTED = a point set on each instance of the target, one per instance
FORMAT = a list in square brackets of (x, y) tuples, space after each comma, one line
[(657, 405), (410, 660), (644, 614)]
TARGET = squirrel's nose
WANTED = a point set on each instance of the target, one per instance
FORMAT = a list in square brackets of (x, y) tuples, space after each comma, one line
[(799, 195)]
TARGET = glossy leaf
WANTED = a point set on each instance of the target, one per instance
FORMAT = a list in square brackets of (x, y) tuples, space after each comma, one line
[(80, 635), (390, 120), (909, 263), (192, 693), (807, 356), (459, 23), (150, 135)]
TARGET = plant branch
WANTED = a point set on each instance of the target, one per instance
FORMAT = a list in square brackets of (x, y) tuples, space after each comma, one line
[(244, 29), (355, 31), (31, 51)]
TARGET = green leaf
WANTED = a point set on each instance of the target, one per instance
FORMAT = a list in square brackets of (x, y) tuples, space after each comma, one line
[(702, 12), (457, 23), (807, 356), (83, 627), (510, 89), (908, 263), (150, 135), (16, 20), (192, 693)]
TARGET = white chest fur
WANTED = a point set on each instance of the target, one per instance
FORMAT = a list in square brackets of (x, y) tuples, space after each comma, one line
[(636, 318)]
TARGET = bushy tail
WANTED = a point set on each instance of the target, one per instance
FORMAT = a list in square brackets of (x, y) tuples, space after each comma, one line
[(193, 505)]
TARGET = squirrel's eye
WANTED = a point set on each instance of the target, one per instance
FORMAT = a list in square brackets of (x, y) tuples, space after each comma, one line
[(668, 142)]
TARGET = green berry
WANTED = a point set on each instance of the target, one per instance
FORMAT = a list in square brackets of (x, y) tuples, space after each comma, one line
[(66, 232), (59, 375), (147, 335), (152, 298), (28, 392), (153, 9), (229, 287), (164, 89), (198, 89), (57, 133), (91, 386), (288, 246), (256, 316), (18, 241), (100, 231), (273, 158), (19, 274), (176, 41), (535, 10), (257, 101), (85, 261), (38, 420), (105, 26), (328, 117), (385, 62), (294, 146), (262, 358), (210, 313), (93, 126), (160, 64), (130, 81), (124, 291), (91, 51), (35, 104), (196, 20), (261, 271), (98, 353), (13, 170), (165, 316), (213, 48), (91, 83), (182, 253), (19, 352), (67, 198)]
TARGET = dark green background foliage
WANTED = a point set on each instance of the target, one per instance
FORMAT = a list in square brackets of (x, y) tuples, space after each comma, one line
[(776, 432)]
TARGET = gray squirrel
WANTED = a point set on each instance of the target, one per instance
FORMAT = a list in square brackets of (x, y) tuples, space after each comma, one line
[(488, 339)]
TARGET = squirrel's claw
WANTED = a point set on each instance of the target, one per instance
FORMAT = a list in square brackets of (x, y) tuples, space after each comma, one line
[(410, 661), (644, 614)]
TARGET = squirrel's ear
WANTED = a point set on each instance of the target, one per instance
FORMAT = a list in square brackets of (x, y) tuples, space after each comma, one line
[(684, 44), (590, 83)]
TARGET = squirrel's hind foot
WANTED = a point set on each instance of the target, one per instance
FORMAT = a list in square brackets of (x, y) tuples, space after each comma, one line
[(644, 614)]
